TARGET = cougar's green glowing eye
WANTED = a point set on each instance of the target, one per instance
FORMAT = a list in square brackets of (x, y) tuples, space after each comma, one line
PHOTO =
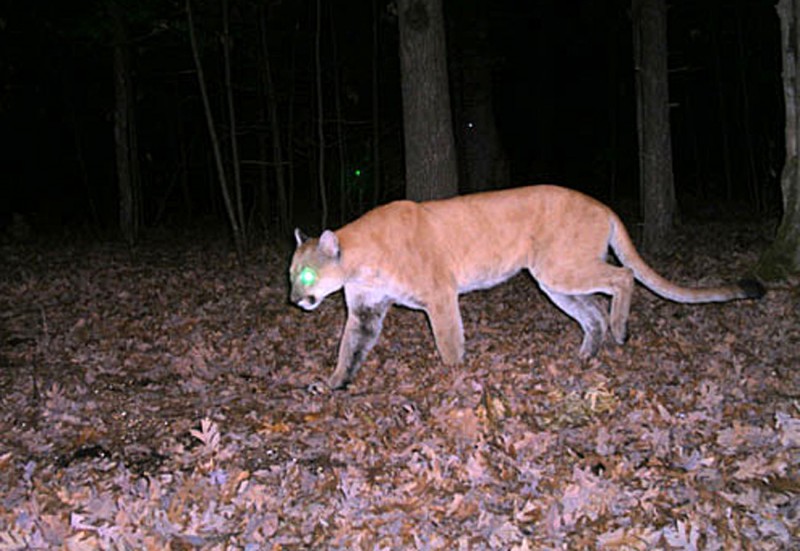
[(307, 276)]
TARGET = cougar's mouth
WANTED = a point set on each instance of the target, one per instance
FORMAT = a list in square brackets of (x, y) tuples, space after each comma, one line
[(308, 302)]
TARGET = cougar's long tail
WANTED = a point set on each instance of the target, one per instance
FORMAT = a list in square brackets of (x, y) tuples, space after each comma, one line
[(627, 254)]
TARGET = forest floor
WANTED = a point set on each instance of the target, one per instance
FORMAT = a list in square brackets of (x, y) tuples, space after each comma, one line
[(171, 399)]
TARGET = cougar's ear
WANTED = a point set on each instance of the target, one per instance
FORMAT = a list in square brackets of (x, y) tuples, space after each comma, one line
[(329, 244), (299, 236)]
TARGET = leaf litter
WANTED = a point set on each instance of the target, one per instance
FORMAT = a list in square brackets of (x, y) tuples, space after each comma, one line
[(169, 399)]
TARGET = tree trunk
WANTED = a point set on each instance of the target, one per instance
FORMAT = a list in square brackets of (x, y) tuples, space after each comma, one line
[(275, 129), (783, 256), (657, 192), (341, 140), (125, 132), (431, 170), (236, 230), (482, 162), (234, 141)]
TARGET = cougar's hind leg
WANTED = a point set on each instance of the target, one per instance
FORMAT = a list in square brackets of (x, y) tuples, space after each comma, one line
[(620, 286), (595, 308), (587, 310), (591, 278)]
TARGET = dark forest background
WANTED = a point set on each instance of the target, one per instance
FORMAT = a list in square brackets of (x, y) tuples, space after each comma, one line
[(561, 77)]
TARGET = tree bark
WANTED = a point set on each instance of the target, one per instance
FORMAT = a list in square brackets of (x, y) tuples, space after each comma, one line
[(783, 256), (125, 132), (431, 170), (657, 192)]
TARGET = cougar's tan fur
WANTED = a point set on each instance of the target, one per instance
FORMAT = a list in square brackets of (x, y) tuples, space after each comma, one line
[(423, 255)]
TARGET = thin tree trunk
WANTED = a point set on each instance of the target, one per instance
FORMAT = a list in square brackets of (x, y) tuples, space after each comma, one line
[(783, 256), (341, 140), (431, 169), (275, 129), (655, 150), (262, 205), (124, 132), (263, 201), (215, 145), (237, 173)]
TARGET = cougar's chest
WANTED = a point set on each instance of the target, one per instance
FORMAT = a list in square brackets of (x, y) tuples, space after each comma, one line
[(373, 284)]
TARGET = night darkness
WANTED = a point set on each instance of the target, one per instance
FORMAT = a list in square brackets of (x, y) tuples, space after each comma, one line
[(562, 84)]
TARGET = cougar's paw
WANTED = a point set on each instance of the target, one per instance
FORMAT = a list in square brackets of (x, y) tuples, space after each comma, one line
[(620, 333), (338, 383), (589, 348), (317, 388)]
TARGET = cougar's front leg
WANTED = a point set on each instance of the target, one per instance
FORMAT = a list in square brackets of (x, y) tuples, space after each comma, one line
[(364, 323), (448, 331)]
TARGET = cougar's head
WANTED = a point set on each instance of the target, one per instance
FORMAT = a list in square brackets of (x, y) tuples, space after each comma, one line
[(316, 269)]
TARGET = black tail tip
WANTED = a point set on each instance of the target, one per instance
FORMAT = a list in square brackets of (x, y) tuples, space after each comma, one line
[(752, 288)]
